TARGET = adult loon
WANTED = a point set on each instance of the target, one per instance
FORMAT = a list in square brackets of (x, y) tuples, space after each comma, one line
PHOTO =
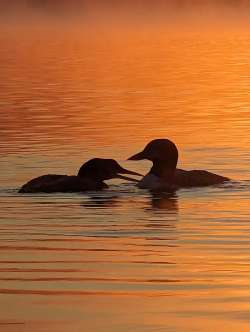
[(91, 176), (164, 174)]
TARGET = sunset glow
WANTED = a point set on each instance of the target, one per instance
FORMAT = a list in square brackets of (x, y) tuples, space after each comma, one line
[(101, 79)]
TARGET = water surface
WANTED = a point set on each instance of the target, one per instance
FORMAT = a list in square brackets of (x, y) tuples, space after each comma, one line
[(124, 260)]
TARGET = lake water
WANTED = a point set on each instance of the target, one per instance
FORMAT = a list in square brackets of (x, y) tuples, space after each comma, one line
[(124, 260)]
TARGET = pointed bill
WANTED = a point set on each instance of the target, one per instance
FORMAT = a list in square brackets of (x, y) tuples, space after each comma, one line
[(118, 176), (122, 170), (138, 156)]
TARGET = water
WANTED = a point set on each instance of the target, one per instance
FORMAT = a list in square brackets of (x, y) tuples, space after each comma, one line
[(124, 260)]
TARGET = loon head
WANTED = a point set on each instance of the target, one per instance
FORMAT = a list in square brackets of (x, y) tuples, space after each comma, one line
[(160, 150), (99, 169), (164, 155)]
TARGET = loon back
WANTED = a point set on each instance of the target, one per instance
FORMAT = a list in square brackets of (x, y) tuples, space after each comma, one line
[(60, 183), (197, 178)]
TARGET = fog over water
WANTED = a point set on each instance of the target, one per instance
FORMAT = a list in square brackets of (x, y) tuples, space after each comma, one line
[(167, 11)]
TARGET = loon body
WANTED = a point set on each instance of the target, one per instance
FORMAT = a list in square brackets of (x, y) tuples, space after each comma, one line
[(91, 176), (165, 176), (197, 178)]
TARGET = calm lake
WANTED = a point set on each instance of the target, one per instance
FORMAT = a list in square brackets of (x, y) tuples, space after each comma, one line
[(122, 259)]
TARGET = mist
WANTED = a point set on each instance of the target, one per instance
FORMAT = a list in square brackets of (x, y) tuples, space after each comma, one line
[(185, 13)]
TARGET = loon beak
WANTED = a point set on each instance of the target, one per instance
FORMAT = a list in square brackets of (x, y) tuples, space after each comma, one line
[(138, 156), (126, 171), (118, 176)]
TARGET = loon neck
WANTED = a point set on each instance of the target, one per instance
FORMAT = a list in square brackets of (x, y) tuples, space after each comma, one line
[(164, 170)]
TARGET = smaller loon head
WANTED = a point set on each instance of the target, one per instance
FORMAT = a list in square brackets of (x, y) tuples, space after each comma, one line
[(99, 169), (161, 151)]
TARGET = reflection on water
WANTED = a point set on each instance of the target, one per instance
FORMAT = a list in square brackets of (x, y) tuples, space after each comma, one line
[(123, 259), (165, 201)]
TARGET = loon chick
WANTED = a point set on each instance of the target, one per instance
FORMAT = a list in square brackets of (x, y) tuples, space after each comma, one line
[(90, 176), (164, 175)]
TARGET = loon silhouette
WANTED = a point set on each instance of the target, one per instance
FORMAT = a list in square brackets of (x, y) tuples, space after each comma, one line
[(91, 176), (164, 174)]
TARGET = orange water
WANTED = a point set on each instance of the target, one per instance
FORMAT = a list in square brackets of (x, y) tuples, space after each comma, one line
[(124, 260)]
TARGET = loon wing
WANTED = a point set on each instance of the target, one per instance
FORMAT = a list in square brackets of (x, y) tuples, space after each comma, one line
[(197, 178)]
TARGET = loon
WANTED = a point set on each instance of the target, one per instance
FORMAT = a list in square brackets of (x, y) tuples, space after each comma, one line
[(164, 175), (91, 176)]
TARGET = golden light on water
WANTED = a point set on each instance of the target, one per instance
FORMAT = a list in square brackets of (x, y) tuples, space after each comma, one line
[(150, 85), (124, 259)]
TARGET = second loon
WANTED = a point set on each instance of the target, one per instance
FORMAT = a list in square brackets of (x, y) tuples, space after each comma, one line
[(164, 175), (91, 176)]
